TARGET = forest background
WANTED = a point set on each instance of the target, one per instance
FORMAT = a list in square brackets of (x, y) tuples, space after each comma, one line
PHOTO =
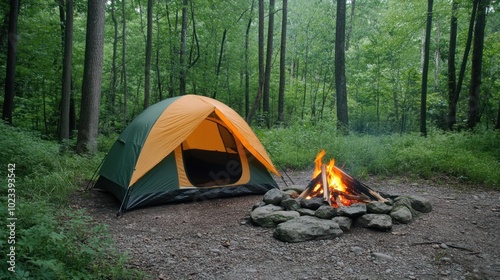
[(389, 88)]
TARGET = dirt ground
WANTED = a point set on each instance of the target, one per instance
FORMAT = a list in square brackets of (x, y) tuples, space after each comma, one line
[(213, 239)]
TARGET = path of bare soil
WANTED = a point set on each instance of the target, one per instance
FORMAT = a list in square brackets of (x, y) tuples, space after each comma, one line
[(213, 239)]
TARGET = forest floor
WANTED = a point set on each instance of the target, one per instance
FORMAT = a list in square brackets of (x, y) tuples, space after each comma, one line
[(213, 239)]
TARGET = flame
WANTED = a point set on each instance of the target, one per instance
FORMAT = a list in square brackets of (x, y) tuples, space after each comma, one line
[(334, 180)]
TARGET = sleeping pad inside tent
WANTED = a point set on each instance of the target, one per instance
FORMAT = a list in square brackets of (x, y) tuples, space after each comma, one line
[(185, 148)]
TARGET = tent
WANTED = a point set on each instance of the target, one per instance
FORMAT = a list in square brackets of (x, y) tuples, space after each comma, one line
[(185, 148)]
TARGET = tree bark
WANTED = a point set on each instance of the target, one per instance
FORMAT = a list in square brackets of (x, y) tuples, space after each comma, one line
[(281, 90), (110, 101), (269, 58), (247, 72), (452, 83), (497, 125), (219, 64), (66, 75), (124, 65), (340, 78), (10, 74), (92, 77), (258, 98), (473, 115), (425, 70), (149, 47), (183, 66)]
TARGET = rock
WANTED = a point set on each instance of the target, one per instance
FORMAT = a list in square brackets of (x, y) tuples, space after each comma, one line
[(307, 228), (401, 214), (382, 256), (325, 212), (282, 216), (344, 222), (357, 250), (290, 204), (273, 196), (377, 207), (290, 194), (305, 212), (259, 214), (298, 188), (313, 203), (404, 201), (353, 211), (258, 204), (382, 222), (420, 204)]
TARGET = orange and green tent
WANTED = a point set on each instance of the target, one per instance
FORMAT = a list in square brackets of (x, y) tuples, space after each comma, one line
[(185, 148)]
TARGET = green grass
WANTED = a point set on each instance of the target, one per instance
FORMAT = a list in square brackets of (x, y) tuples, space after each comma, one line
[(469, 156), (52, 241)]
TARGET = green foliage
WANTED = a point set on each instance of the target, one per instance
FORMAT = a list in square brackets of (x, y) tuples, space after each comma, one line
[(470, 156), (53, 241)]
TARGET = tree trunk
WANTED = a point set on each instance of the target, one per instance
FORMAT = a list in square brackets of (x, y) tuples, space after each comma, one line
[(219, 64), (281, 90), (497, 125), (269, 58), (92, 77), (66, 76), (473, 115), (182, 60), (256, 103), (247, 72), (8, 100), (110, 101), (349, 31), (340, 79), (425, 70), (149, 46), (124, 65), (452, 83)]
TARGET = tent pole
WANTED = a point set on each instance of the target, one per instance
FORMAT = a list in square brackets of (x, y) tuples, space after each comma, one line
[(91, 183), (120, 212)]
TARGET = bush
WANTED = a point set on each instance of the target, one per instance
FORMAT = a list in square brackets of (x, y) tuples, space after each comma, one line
[(470, 156), (53, 241)]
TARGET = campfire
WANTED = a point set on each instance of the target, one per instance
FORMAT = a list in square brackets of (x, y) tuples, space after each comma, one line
[(336, 186)]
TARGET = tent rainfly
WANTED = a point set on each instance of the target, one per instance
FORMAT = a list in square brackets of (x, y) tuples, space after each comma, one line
[(185, 148)]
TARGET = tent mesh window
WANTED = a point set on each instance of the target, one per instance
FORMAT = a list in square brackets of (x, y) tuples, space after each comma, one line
[(210, 155)]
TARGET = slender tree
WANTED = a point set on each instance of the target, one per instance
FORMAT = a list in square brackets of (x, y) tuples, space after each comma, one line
[(269, 60), (453, 100), (183, 66), (473, 115), (281, 90), (66, 76), (149, 47), (247, 72), (8, 100), (260, 43), (124, 65), (425, 70), (92, 77), (110, 101), (452, 83), (340, 78)]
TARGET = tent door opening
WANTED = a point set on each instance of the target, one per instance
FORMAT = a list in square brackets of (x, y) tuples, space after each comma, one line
[(210, 155)]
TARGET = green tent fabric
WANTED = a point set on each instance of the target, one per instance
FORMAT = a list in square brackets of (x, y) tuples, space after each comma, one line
[(185, 148)]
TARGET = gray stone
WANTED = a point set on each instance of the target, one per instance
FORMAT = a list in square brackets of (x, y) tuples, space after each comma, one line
[(357, 250), (290, 193), (273, 196), (401, 214), (298, 188), (258, 204), (312, 203), (305, 212), (420, 204), (382, 256), (307, 228), (290, 204), (404, 201), (344, 222), (353, 211), (382, 222), (281, 216), (377, 207), (259, 214), (325, 212)]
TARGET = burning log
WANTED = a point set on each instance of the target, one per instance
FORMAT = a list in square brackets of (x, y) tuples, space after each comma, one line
[(337, 187)]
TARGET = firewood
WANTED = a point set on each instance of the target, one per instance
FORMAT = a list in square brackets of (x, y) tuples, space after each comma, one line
[(326, 189), (309, 188)]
